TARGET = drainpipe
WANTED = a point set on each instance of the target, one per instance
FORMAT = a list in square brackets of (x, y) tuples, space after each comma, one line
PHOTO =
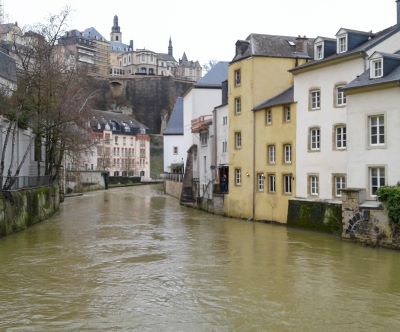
[(398, 12), (254, 164)]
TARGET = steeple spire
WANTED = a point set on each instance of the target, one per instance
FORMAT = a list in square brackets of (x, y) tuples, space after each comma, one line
[(116, 34), (170, 49)]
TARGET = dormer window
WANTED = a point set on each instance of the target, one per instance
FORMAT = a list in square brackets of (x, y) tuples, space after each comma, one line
[(376, 68), (342, 44)]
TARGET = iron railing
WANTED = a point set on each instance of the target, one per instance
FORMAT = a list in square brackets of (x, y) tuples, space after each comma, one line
[(177, 177)]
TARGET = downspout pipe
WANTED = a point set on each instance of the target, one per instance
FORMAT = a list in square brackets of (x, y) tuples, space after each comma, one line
[(254, 165)]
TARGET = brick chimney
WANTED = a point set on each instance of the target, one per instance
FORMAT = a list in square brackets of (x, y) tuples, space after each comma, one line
[(301, 43), (398, 12)]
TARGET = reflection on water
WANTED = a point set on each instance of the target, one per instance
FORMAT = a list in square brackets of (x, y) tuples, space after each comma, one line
[(133, 259)]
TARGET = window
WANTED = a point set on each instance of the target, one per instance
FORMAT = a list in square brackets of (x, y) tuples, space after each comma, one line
[(260, 182), (376, 68), (315, 139), (268, 117), (287, 150), (376, 130), (319, 52), (342, 44), (238, 77), (376, 179), (341, 99), (238, 106), (124, 140), (175, 150), (224, 146), (315, 100), (271, 183), (339, 182), (287, 116), (271, 154), (238, 140), (224, 120), (287, 184), (203, 139), (340, 137), (313, 184), (238, 176)]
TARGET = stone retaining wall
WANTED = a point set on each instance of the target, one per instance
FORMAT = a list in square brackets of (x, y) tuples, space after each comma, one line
[(173, 188), (21, 209)]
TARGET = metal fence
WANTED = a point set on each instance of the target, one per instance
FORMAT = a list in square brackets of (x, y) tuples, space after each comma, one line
[(177, 177), (26, 182)]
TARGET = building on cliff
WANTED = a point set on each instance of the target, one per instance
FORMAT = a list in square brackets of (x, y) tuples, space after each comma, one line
[(120, 146)]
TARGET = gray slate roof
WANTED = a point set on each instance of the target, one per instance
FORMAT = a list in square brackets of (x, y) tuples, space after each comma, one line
[(165, 57), (7, 68), (175, 123), (119, 117), (92, 33), (377, 38), (274, 46), (119, 47), (215, 77), (286, 97), (364, 79)]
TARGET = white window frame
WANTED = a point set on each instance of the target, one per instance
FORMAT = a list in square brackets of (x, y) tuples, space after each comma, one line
[(341, 98), (204, 139), (238, 140), (260, 182), (380, 130), (339, 182), (238, 77), (376, 68), (268, 117), (238, 177), (287, 152), (315, 144), (314, 185), (238, 106), (287, 184), (287, 114), (271, 183), (224, 146), (319, 51), (379, 176), (315, 99), (340, 137), (342, 43), (271, 154), (175, 150)]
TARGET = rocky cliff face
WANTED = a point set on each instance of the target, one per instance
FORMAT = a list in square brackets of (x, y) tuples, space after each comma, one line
[(149, 99)]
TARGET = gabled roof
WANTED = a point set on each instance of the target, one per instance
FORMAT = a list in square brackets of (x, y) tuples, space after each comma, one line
[(165, 57), (364, 80), (376, 39), (356, 32), (286, 97), (175, 122), (92, 33), (7, 68), (215, 77), (273, 46)]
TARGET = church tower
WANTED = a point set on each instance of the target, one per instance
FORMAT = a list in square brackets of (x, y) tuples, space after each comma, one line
[(170, 49), (116, 34)]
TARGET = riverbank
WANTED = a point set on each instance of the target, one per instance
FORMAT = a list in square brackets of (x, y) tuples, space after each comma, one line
[(22, 209)]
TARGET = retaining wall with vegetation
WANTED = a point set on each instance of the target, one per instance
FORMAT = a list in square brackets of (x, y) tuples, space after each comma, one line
[(22, 209)]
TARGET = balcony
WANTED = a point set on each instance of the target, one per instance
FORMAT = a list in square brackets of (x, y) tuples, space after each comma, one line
[(201, 124)]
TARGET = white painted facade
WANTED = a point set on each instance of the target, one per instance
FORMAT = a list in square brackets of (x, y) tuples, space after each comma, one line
[(328, 161), (361, 154), (221, 135), (174, 151)]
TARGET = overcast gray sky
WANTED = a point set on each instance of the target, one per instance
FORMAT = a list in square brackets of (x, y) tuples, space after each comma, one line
[(208, 29)]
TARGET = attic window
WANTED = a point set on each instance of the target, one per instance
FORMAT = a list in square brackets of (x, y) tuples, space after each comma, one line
[(342, 44), (376, 68), (291, 43), (319, 51)]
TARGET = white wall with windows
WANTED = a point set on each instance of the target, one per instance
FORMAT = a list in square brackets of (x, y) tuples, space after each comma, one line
[(321, 111), (373, 124), (221, 135), (174, 151)]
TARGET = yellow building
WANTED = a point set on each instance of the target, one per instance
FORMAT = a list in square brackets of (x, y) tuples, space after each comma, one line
[(275, 143), (258, 72)]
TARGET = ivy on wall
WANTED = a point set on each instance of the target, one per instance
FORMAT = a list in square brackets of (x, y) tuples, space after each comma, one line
[(390, 196)]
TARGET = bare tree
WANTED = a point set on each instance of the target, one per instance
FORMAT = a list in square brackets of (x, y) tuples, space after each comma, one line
[(209, 65), (52, 98)]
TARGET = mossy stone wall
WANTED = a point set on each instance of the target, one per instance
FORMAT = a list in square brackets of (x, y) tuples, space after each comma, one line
[(22, 209), (319, 216)]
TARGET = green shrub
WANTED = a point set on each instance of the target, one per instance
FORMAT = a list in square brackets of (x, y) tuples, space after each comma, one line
[(390, 196)]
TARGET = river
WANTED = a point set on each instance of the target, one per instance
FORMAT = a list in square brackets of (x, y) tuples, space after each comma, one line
[(133, 259)]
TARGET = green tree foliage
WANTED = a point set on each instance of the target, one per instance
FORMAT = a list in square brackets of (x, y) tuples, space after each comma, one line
[(390, 196)]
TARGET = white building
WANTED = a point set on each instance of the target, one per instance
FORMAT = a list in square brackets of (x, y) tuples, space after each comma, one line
[(174, 144), (321, 132), (373, 122)]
